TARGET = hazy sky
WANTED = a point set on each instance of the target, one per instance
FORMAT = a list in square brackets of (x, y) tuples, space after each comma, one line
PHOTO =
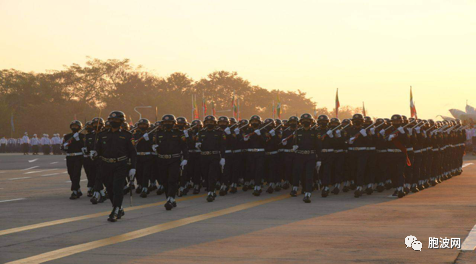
[(373, 50)]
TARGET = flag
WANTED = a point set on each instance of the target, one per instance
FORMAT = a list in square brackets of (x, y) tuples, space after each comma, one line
[(238, 110), (13, 125), (315, 113), (130, 121), (196, 114), (363, 109), (412, 105), (278, 107), (337, 103), (234, 107), (204, 106), (213, 108), (274, 111)]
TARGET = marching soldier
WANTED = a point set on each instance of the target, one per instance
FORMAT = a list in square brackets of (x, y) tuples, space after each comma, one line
[(212, 143), (96, 179), (185, 177), (271, 158), (114, 148), (256, 142), (287, 148), (358, 144), (87, 162), (25, 143), (193, 166), (74, 143), (230, 170), (172, 150), (143, 143), (3, 145)]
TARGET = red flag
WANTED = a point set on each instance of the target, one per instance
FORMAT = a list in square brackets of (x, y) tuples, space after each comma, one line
[(363, 109), (337, 103), (412, 105)]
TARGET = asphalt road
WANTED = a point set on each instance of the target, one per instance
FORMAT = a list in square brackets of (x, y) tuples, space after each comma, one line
[(38, 223)]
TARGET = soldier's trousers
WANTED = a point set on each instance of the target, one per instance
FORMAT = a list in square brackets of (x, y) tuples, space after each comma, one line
[(98, 177), (409, 169), (210, 165), (358, 163), (347, 167), (74, 165), (289, 166), (35, 149), (304, 164), (255, 163), (435, 170), (46, 149), (154, 169), (88, 165), (327, 162), (144, 169), (382, 166), (114, 176), (371, 168), (396, 168), (232, 169), (281, 166), (3, 148), (338, 168), (271, 168), (169, 170), (25, 147), (194, 171), (416, 166)]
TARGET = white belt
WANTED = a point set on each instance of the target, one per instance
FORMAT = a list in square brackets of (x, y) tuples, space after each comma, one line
[(74, 154), (144, 153), (394, 150), (371, 148), (229, 151), (409, 149), (288, 150), (255, 150), (418, 151), (435, 149), (271, 153), (361, 148), (381, 150), (338, 150), (327, 150), (237, 151)]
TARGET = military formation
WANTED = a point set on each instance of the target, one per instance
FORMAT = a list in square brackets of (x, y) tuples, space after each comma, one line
[(35, 145), (222, 156)]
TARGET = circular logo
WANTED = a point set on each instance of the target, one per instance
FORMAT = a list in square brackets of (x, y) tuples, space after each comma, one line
[(113, 115), (166, 118)]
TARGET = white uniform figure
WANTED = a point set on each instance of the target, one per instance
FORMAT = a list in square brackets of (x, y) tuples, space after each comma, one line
[(3, 145), (45, 144), (35, 144), (11, 145), (56, 141), (25, 144)]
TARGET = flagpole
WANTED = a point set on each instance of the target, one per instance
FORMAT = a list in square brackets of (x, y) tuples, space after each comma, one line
[(273, 110), (192, 109)]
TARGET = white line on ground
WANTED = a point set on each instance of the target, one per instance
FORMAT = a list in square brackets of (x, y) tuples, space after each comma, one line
[(33, 160), (65, 172), (14, 179), (19, 199), (467, 164), (46, 175), (54, 162), (31, 168), (2, 171), (470, 241), (38, 171)]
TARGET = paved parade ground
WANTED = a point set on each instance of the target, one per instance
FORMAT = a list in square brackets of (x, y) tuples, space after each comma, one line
[(38, 223)]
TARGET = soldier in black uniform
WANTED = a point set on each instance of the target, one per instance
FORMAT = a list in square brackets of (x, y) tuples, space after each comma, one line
[(305, 145), (371, 169), (242, 156), (338, 168), (73, 145), (143, 143), (381, 155), (358, 144), (256, 142), (326, 156), (211, 142), (230, 171), (288, 152), (99, 195), (172, 151), (271, 158), (346, 126), (87, 162), (193, 167), (114, 148), (184, 176)]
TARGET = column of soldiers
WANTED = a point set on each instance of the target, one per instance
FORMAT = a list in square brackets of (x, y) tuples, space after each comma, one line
[(222, 155)]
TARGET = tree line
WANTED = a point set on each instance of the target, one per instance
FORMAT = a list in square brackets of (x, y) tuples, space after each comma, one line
[(48, 102)]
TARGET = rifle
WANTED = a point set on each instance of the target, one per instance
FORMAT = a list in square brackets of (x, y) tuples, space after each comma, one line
[(252, 133)]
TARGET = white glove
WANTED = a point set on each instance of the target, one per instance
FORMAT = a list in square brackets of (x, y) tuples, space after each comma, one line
[(185, 132), (382, 132), (351, 140), (65, 145), (237, 131), (391, 137), (132, 173), (146, 136), (417, 129), (257, 132), (93, 153), (410, 132), (330, 134), (84, 150), (183, 163), (272, 132), (198, 145), (318, 164), (246, 138), (424, 134), (284, 142), (228, 131), (372, 131), (401, 130), (76, 136), (222, 162), (295, 147), (363, 132), (154, 147), (338, 135)]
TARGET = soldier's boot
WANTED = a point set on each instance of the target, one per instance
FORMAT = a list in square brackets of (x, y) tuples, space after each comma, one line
[(325, 192), (380, 187), (257, 190), (160, 190), (121, 213), (196, 189), (185, 189), (246, 186), (74, 195), (400, 192), (210, 197), (388, 184), (90, 192), (414, 188), (286, 185), (307, 197), (180, 192), (358, 192), (217, 185), (113, 215), (233, 188), (95, 198), (336, 189), (294, 191), (153, 187), (433, 181), (346, 187), (139, 189), (168, 205), (421, 185), (79, 193), (270, 188), (223, 191), (144, 192), (353, 186), (278, 187), (369, 189), (126, 189)]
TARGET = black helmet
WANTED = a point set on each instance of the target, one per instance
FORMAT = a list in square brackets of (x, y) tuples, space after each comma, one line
[(233, 120), (244, 122), (181, 120), (125, 126), (143, 121), (396, 119), (345, 122), (368, 120), (169, 118), (405, 119), (357, 117), (224, 119), (255, 117), (379, 121), (323, 119), (98, 119), (210, 118), (197, 123), (117, 115), (269, 120), (335, 120), (76, 122), (278, 121), (306, 117), (89, 123)]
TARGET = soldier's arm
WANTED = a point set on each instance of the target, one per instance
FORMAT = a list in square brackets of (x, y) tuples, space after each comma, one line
[(131, 151), (184, 146)]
